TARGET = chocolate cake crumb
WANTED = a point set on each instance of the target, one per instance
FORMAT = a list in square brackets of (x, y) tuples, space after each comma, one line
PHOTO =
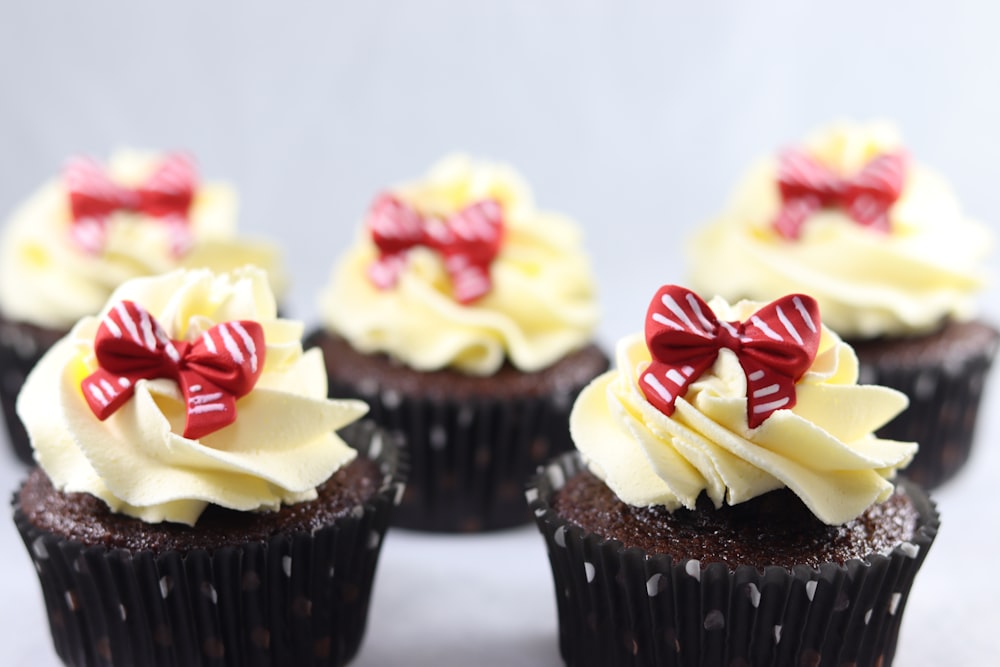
[(86, 519), (774, 529), (345, 366)]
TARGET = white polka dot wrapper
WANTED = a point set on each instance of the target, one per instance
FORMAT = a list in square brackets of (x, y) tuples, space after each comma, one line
[(943, 374), (472, 441), (626, 607), (297, 597)]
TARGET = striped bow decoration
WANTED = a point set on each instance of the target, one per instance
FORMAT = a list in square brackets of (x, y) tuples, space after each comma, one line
[(213, 371), (467, 241), (775, 346), (807, 186), (166, 195)]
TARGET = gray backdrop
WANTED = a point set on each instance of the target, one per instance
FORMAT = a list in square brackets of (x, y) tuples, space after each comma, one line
[(636, 118)]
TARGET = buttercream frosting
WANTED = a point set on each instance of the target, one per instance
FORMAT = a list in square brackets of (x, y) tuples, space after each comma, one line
[(823, 448), (47, 279), (541, 303), (279, 449), (868, 283)]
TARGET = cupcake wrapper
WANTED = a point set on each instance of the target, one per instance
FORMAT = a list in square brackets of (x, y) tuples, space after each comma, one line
[(298, 599), (21, 346), (471, 457), (621, 607), (941, 417)]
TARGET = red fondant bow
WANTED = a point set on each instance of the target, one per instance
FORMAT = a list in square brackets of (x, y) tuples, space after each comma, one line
[(775, 347), (467, 241), (806, 186), (215, 370), (166, 195)]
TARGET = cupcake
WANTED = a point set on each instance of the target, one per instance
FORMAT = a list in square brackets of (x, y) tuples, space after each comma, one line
[(193, 503), (728, 503), (881, 242), (464, 316), (65, 250)]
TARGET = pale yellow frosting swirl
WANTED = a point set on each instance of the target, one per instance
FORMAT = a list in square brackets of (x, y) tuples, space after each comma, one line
[(822, 449), (542, 304), (48, 280), (867, 283), (280, 448)]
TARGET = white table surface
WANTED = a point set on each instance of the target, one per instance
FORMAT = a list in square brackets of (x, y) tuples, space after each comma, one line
[(487, 600)]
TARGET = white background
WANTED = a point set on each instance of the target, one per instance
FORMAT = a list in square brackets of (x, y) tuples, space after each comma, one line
[(635, 118)]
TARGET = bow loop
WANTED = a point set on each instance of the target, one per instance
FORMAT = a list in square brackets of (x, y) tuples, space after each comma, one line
[(92, 193), (170, 189), (806, 186), (221, 366), (775, 346), (395, 225), (166, 195), (228, 355), (468, 242), (129, 340)]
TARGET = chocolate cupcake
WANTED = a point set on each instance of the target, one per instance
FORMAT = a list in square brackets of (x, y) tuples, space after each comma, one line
[(194, 503), (21, 346), (463, 315), (882, 244), (943, 373), (729, 503), (67, 247)]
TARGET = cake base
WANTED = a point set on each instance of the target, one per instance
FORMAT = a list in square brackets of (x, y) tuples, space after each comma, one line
[(284, 588), (943, 374), (626, 606), (775, 529), (473, 441)]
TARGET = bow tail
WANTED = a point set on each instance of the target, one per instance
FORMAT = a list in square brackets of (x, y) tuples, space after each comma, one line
[(767, 391), (663, 382), (209, 407), (179, 230), (793, 214), (90, 233), (105, 392), (469, 281), (384, 271), (871, 210)]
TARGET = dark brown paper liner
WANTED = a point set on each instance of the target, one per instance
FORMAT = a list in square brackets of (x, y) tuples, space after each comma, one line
[(473, 441), (298, 599), (21, 346), (470, 458), (621, 607), (944, 393)]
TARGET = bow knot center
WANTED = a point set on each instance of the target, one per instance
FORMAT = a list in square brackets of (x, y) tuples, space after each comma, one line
[(467, 240), (220, 366), (730, 336), (807, 186), (774, 347)]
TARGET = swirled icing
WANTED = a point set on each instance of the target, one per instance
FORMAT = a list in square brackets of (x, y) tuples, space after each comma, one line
[(541, 304), (46, 279), (823, 448), (280, 448), (927, 269)]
